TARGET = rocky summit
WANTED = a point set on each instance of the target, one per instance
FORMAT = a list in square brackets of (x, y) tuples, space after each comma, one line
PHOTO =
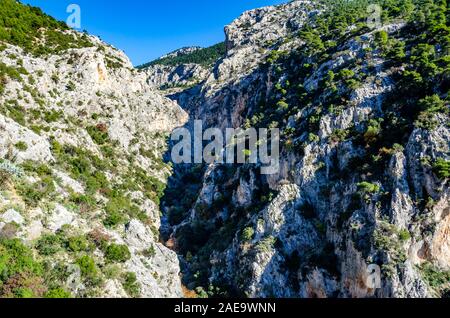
[(91, 204)]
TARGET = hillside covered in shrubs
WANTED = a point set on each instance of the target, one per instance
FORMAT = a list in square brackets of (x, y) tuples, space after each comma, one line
[(205, 57)]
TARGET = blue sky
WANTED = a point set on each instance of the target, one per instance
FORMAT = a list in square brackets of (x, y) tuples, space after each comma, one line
[(147, 29)]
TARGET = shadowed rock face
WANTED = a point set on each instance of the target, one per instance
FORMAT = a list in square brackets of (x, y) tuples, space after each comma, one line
[(331, 213)]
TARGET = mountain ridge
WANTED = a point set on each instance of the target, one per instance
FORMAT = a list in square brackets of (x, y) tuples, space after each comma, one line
[(89, 207)]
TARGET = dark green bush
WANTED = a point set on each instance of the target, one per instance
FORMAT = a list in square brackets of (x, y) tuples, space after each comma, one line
[(436, 278), (89, 270), (79, 244), (368, 188), (22, 146), (117, 253), (34, 193), (98, 134), (16, 258), (442, 168), (247, 234)]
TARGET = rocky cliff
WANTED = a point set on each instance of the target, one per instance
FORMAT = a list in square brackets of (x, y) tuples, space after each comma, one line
[(363, 183), (81, 140)]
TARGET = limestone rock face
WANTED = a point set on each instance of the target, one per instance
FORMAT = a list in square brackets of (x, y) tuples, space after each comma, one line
[(38, 148), (170, 79), (12, 216), (358, 209), (73, 120)]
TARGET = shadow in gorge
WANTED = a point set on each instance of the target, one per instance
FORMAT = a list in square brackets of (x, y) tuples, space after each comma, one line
[(190, 237)]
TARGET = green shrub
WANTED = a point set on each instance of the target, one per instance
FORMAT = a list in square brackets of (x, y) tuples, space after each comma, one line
[(96, 181), (436, 278), (339, 135), (23, 293), (58, 293), (114, 218), (84, 202), (49, 244), (313, 42), (52, 116), (131, 285), (117, 253), (267, 244), (16, 258), (313, 137), (23, 285), (79, 244), (153, 187), (247, 234), (22, 146), (368, 188), (119, 208), (34, 193), (42, 170), (282, 105), (99, 134), (404, 235), (88, 268), (382, 38), (149, 252), (71, 86), (80, 166), (15, 112), (7, 72), (373, 131)]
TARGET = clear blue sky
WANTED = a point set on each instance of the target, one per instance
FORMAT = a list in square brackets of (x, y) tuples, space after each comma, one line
[(147, 29)]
